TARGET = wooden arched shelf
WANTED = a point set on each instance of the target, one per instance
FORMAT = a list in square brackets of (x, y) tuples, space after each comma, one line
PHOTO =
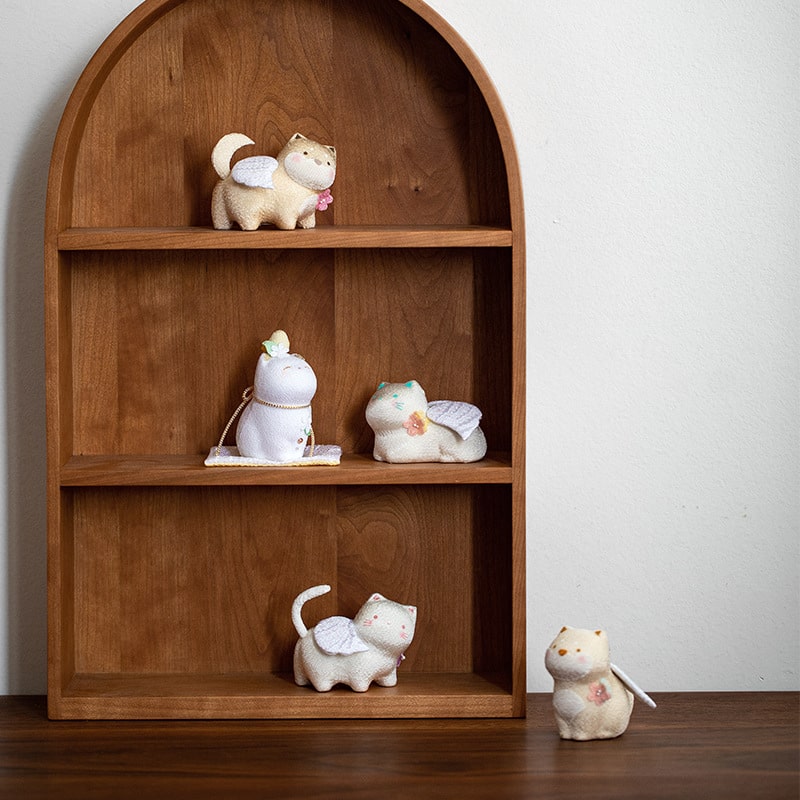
[(170, 583)]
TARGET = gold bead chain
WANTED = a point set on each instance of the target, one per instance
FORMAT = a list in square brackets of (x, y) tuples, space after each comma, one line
[(248, 395)]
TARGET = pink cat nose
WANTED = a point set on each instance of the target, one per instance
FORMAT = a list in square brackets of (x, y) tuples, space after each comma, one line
[(318, 162)]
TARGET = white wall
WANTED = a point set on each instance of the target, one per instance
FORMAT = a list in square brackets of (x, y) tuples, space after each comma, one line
[(658, 143)]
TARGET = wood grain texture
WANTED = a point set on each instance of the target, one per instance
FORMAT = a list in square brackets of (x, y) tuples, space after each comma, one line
[(303, 65), (198, 581), (169, 583), (354, 469), (340, 237), (728, 746), (418, 327), (163, 347)]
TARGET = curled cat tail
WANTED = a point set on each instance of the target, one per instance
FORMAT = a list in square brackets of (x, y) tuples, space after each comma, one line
[(300, 600), (223, 152)]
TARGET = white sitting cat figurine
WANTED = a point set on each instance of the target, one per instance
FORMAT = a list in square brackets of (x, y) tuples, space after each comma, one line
[(408, 428), (276, 424), (356, 651), (285, 191), (591, 696)]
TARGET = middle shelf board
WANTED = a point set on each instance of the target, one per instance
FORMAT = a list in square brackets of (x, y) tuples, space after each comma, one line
[(326, 236), (355, 469)]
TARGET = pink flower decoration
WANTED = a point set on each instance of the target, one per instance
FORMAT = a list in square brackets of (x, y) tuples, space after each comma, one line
[(416, 424), (598, 693), (324, 199)]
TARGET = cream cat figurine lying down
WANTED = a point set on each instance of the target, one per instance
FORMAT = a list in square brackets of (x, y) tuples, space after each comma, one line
[(283, 191), (355, 651), (590, 694), (408, 428)]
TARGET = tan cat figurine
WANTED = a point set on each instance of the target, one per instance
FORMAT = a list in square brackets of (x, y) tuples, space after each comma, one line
[(591, 696), (285, 191)]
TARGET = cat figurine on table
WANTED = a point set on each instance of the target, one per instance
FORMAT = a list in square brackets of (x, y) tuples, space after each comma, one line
[(285, 191), (355, 651), (592, 698), (409, 429), (276, 424)]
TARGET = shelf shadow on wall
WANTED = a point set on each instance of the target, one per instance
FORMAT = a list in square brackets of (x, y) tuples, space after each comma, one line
[(25, 581)]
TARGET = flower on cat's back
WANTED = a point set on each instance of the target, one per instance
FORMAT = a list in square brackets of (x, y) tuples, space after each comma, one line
[(416, 424)]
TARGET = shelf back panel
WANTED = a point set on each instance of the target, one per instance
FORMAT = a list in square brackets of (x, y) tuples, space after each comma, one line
[(164, 346), (377, 82), (184, 580)]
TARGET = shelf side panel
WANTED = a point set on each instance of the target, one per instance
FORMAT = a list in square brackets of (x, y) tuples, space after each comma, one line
[(491, 348)]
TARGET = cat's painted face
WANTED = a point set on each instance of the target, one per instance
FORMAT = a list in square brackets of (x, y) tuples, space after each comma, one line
[(309, 163), (395, 402), (576, 652), (286, 380), (382, 620)]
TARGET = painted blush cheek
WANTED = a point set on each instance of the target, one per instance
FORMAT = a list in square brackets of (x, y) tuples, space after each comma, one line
[(296, 158)]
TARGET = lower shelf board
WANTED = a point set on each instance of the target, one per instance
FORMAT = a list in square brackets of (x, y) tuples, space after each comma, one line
[(276, 696)]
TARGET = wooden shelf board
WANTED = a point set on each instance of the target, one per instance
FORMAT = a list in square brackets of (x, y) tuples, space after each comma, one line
[(275, 696), (354, 469), (327, 236)]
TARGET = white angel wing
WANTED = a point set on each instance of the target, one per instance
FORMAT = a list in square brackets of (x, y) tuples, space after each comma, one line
[(338, 636), (645, 698), (255, 171), (463, 418)]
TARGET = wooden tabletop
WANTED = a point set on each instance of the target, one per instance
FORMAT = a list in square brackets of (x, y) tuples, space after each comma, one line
[(694, 745)]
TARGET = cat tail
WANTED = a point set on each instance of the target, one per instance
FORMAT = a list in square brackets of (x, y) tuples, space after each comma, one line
[(300, 600), (223, 152)]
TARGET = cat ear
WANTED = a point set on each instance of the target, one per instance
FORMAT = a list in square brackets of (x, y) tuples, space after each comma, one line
[(297, 136), (377, 596), (331, 148), (412, 610)]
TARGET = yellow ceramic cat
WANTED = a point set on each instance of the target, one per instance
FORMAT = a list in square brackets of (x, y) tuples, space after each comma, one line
[(285, 191)]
